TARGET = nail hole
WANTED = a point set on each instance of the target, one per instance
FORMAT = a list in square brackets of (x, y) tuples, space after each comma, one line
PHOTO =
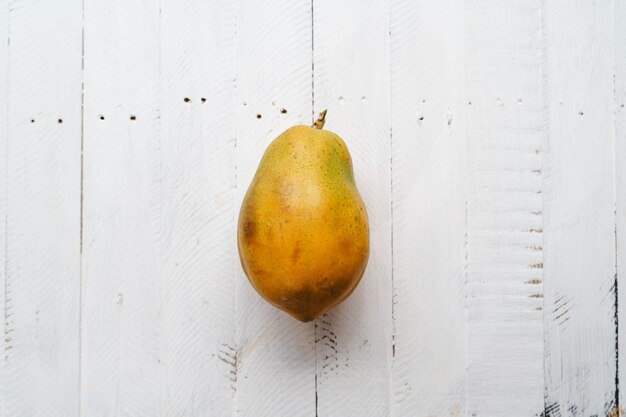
[(421, 118), (258, 116), (363, 98), (244, 103), (622, 106), (101, 117), (60, 121), (32, 120), (273, 103), (203, 100), (187, 99), (423, 100), (342, 100), (283, 111), (580, 113), (133, 117), (520, 101), (469, 103)]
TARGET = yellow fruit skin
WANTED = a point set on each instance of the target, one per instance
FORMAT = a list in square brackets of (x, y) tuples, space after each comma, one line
[(303, 234)]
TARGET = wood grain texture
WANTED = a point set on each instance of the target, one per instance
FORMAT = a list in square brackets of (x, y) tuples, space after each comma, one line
[(620, 181), (275, 353), (198, 255), (351, 80), (489, 145), (579, 228), (429, 228), (504, 210), (42, 218), (121, 218)]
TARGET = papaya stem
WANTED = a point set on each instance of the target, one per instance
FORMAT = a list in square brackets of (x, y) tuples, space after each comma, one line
[(321, 119)]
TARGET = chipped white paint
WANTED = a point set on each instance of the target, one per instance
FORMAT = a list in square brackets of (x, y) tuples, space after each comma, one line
[(197, 211), (620, 178), (579, 223), (121, 324), (489, 144), (504, 208), (429, 226), (41, 134)]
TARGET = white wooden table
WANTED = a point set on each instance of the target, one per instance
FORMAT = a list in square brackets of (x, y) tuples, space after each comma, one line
[(489, 143)]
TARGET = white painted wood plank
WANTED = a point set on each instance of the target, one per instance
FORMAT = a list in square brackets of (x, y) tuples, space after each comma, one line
[(275, 353), (198, 252), (41, 314), (4, 109), (620, 185), (351, 80), (429, 228), (504, 211), (579, 228), (121, 258)]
